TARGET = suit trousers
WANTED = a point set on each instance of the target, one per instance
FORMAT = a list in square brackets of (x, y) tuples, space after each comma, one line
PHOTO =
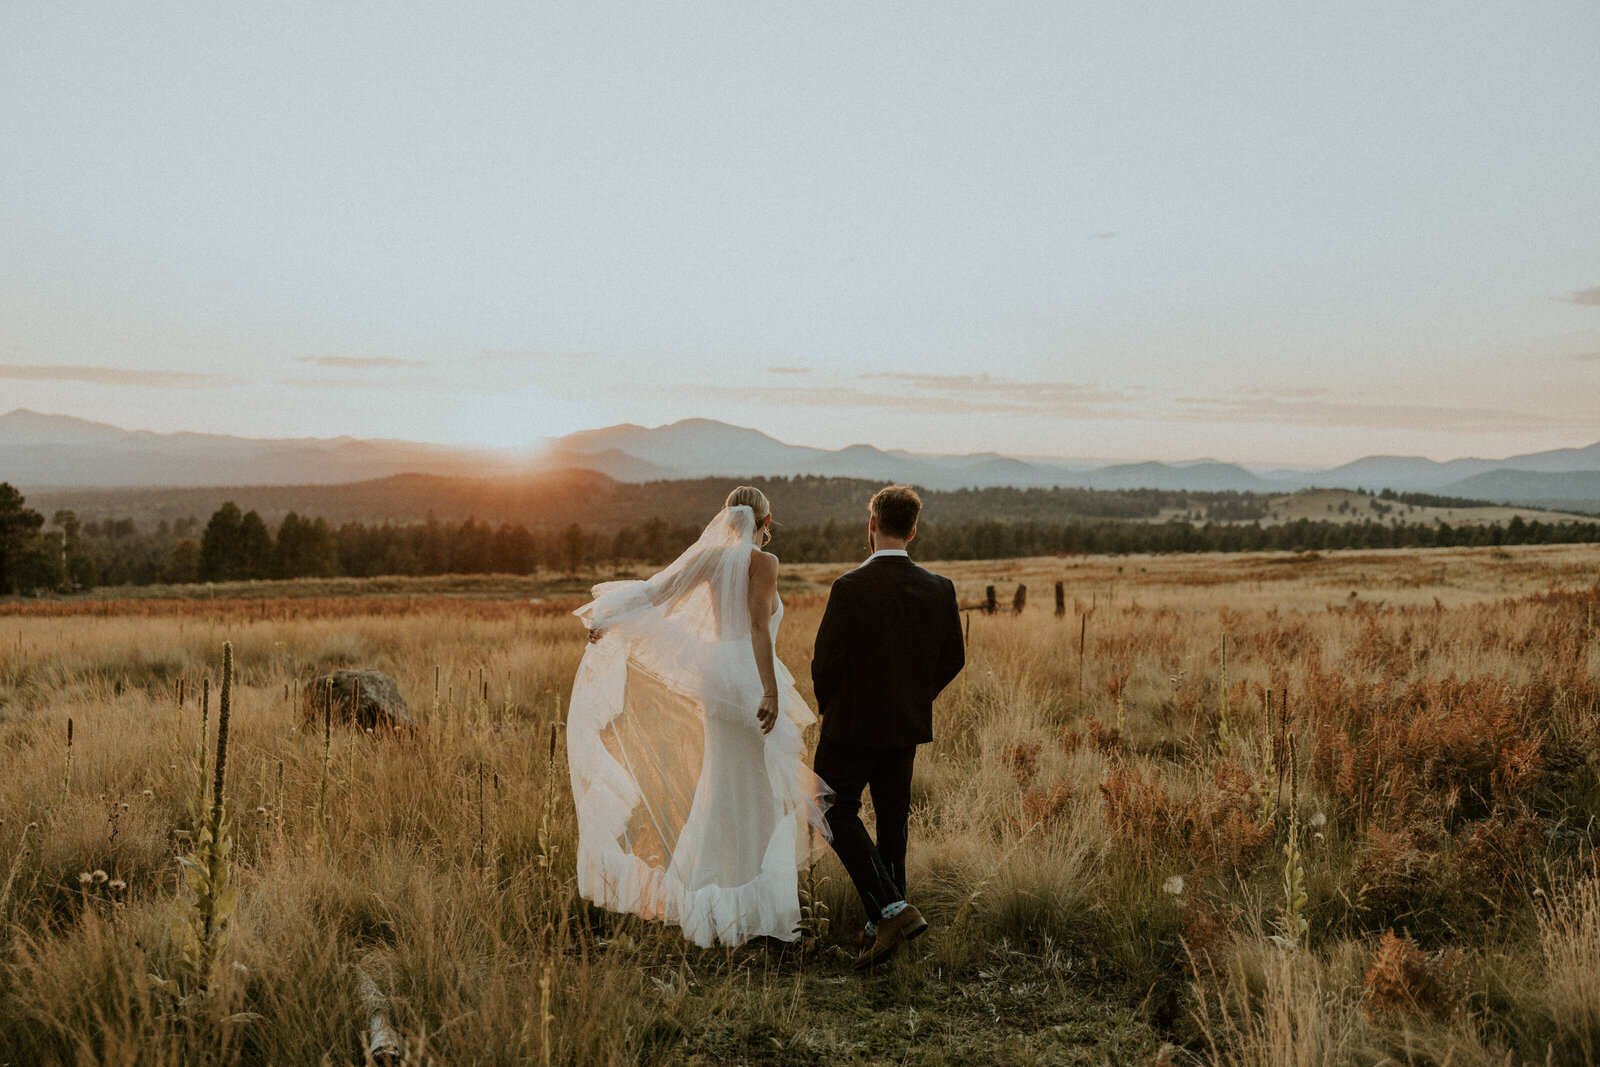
[(878, 870)]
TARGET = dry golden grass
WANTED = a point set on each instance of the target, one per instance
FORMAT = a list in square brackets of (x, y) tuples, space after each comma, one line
[(1102, 862)]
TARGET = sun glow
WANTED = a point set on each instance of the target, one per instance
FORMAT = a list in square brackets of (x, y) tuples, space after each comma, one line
[(523, 419)]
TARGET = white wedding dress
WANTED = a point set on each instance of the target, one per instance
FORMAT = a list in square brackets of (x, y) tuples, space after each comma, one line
[(687, 812)]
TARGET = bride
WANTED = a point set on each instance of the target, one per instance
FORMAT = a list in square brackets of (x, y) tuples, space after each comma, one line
[(683, 739)]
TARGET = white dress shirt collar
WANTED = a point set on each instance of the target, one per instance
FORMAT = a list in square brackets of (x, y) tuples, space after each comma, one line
[(887, 552)]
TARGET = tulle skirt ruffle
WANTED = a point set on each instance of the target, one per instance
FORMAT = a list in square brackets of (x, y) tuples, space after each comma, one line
[(687, 813)]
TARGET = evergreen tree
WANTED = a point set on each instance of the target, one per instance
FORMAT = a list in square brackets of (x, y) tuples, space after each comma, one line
[(19, 542), (183, 562), (305, 548), (255, 547), (219, 545)]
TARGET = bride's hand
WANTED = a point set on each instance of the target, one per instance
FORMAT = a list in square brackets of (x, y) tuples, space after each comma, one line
[(595, 635), (767, 713)]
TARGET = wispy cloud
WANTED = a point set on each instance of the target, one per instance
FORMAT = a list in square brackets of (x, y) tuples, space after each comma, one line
[(157, 379), (1285, 407), (845, 397), (330, 383), (534, 355), (360, 362), (1287, 392), (937, 394), (1026, 394), (949, 395), (788, 370), (1589, 297)]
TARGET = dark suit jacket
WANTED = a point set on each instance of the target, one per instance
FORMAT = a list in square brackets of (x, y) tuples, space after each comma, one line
[(890, 640)]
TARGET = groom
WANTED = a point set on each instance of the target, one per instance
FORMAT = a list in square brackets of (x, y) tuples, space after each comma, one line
[(889, 641)]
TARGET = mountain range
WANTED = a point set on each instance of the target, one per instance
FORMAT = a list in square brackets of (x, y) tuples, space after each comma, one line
[(39, 451)]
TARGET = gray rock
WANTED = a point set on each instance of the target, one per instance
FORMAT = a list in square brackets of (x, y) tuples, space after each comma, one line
[(381, 705)]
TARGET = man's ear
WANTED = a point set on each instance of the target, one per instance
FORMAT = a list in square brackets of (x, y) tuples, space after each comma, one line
[(911, 535), (872, 523)]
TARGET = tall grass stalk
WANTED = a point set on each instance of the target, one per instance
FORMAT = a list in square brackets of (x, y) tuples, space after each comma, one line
[(1569, 936), (814, 921), (953, 947), (1225, 721), (202, 930), (197, 803), (327, 753), (66, 773), (546, 988), (17, 859), (1293, 925), (545, 841), (1083, 637)]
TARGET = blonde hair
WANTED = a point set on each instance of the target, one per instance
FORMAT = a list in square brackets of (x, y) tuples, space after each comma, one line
[(754, 499)]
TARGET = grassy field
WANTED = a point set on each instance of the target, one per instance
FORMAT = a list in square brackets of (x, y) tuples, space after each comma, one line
[(1320, 505), (1348, 505), (1290, 809)]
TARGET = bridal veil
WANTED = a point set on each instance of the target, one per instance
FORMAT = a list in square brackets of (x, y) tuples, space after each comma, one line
[(687, 812)]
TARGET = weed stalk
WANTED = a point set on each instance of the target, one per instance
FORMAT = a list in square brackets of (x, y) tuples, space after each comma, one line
[(1225, 723), (202, 931), (1293, 925), (327, 753), (66, 774)]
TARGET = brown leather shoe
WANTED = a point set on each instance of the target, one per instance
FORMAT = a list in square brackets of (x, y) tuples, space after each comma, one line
[(907, 925)]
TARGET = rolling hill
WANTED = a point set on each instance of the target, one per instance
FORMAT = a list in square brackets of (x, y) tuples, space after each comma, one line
[(47, 452)]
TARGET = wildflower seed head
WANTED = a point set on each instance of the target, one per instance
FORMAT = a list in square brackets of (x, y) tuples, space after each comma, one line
[(100, 877), (118, 885), (261, 811), (1318, 820), (149, 792), (84, 878), (1173, 886)]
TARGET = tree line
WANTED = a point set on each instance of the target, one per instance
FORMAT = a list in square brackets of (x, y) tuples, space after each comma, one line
[(234, 545)]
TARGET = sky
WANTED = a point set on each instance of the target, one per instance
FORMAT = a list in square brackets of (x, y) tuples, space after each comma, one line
[(1262, 232)]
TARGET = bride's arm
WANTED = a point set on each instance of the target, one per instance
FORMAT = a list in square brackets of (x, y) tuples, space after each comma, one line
[(763, 588)]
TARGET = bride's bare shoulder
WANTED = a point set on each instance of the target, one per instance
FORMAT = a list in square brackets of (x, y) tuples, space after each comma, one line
[(763, 564)]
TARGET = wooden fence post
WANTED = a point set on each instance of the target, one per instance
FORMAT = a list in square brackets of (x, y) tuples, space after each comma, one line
[(1061, 599)]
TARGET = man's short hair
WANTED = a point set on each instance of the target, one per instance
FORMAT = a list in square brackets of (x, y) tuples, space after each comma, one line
[(896, 508)]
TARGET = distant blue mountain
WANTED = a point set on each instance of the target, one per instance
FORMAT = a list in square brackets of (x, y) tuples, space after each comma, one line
[(1558, 490), (55, 450)]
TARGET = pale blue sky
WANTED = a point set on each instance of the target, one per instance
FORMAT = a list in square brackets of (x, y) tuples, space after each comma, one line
[(1261, 231)]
